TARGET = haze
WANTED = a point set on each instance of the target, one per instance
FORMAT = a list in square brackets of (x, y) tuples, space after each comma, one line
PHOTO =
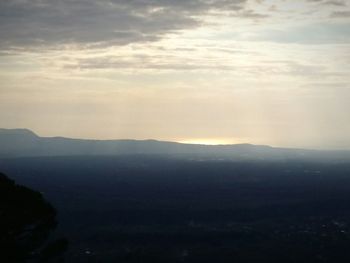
[(263, 72)]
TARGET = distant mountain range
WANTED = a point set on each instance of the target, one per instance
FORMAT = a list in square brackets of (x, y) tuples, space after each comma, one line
[(25, 143)]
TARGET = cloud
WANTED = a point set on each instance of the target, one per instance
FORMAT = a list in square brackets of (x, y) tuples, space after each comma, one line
[(311, 34), (251, 14), (231, 64), (329, 2), (335, 3), (25, 23), (341, 14)]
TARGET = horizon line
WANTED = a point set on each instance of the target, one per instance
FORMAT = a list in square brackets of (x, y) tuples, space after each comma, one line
[(183, 142)]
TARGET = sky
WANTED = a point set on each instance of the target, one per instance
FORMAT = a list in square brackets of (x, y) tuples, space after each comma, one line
[(272, 72)]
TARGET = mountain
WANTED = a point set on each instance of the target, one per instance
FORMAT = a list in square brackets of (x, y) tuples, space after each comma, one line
[(25, 143)]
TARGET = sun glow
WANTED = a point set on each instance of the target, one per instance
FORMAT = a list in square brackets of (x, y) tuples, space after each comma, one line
[(205, 141)]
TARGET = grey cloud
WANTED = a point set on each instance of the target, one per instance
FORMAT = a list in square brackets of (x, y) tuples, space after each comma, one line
[(166, 63), (330, 2), (341, 14), (251, 14), (306, 70), (144, 62), (335, 3), (339, 3), (313, 34), (117, 22)]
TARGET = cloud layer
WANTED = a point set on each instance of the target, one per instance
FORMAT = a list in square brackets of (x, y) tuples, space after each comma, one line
[(268, 72), (118, 22)]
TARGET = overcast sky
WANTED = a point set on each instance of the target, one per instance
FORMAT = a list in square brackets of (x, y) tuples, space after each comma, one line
[(270, 72)]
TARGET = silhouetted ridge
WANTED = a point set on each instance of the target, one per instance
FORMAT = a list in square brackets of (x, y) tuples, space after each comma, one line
[(25, 143), (18, 132)]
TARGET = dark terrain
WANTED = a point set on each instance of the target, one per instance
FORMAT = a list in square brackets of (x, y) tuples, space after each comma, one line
[(26, 221), (195, 207)]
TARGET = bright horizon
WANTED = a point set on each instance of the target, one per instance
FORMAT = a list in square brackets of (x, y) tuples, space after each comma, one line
[(203, 141), (196, 141), (209, 72)]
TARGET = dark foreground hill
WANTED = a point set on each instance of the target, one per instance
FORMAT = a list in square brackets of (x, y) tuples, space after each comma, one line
[(25, 143), (26, 221)]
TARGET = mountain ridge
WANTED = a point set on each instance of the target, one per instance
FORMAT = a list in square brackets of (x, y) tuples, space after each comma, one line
[(25, 143), (18, 132)]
